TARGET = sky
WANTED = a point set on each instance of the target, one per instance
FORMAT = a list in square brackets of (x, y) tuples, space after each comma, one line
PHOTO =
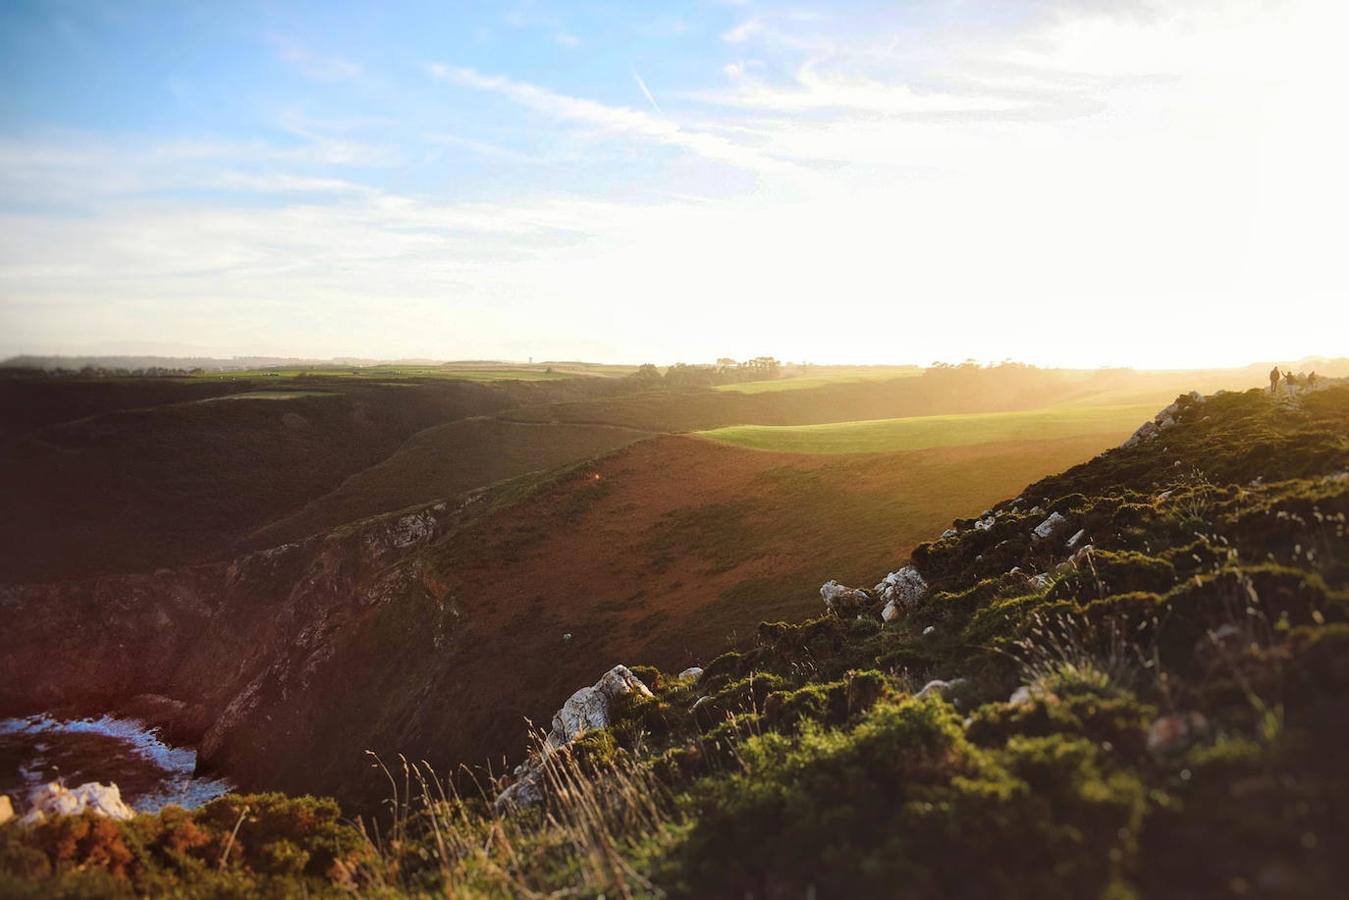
[(1062, 182)]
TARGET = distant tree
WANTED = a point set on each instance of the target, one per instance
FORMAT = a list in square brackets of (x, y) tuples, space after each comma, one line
[(763, 367), (684, 376), (646, 377)]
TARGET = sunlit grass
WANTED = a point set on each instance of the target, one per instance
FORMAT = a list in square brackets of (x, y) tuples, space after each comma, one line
[(803, 382), (920, 432)]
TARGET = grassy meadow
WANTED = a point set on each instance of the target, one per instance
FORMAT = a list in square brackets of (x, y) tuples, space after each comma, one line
[(821, 377), (920, 432)]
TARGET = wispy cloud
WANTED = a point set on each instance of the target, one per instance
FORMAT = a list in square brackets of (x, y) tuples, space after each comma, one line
[(742, 32), (613, 120), (316, 66), (646, 92), (485, 148)]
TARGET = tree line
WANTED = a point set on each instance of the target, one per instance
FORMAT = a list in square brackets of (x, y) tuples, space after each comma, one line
[(724, 371)]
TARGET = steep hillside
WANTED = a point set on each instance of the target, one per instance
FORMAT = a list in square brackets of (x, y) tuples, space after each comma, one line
[(33, 401), (119, 475), (1129, 680), (660, 552), (135, 490), (445, 461)]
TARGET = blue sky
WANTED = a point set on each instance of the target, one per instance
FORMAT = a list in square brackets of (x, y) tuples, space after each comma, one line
[(1062, 181)]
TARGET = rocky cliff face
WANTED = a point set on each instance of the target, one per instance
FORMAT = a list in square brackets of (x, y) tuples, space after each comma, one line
[(203, 651)]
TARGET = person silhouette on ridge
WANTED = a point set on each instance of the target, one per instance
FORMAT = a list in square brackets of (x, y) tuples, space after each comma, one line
[(1273, 381)]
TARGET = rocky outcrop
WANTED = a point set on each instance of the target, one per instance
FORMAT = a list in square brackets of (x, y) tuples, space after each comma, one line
[(843, 601), (6, 809), (1163, 420), (55, 799), (1046, 529), (901, 590), (206, 652), (588, 709)]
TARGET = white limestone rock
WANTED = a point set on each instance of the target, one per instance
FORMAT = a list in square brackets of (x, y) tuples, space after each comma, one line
[(901, 590), (588, 709), (1160, 422), (692, 673), (1072, 541), (1051, 524), (55, 799), (843, 601)]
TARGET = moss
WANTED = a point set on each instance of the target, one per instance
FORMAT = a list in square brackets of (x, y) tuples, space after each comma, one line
[(283, 846), (1106, 572), (595, 749), (903, 798), (1117, 724)]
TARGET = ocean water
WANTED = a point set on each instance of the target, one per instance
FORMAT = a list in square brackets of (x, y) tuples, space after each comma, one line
[(150, 773)]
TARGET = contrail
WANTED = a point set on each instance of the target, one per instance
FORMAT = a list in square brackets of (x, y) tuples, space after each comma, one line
[(647, 91)]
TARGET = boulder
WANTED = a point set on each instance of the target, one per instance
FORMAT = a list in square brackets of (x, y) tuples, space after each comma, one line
[(985, 523), (588, 709), (55, 799), (1077, 536), (1052, 523), (843, 601), (901, 590), (1160, 422), (949, 533), (692, 673)]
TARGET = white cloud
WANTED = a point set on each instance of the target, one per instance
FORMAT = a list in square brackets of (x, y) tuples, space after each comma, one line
[(313, 65), (744, 31), (614, 120)]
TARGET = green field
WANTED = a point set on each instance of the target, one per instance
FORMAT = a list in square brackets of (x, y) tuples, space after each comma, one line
[(457, 373), (920, 432), (840, 375)]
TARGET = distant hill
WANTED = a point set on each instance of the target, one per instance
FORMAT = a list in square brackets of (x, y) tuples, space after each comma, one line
[(132, 363)]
